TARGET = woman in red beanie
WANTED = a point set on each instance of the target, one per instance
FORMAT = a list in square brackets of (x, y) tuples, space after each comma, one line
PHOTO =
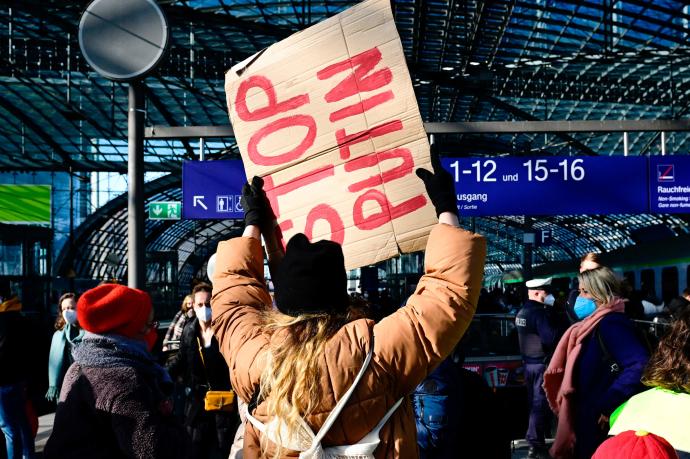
[(115, 397), (296, 364)]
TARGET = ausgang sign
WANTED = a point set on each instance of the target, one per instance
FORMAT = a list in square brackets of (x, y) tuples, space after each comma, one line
[(550, 185)]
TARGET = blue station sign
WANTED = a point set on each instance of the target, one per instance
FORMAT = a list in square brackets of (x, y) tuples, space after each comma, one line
[(566, 185), (550, 185), (669, 184), (212, 189)]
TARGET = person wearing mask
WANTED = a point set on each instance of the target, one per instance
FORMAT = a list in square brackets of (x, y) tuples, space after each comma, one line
[(115, 399), (171, 342), (67, 333), (202, 368), (665, 408), (538, 336), (589, 260), (596, 366), (14, 422), (292, 364)]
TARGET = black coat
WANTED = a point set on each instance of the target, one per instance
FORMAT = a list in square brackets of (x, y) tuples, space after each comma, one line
[(14, 338), (197, 376)]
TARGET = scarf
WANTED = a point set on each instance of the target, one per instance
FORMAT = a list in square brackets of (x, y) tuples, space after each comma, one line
[(559, 383), (56, 358), (111, 351)]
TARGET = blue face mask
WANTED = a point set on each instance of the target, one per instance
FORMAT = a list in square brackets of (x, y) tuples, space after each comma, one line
[(584, 307)]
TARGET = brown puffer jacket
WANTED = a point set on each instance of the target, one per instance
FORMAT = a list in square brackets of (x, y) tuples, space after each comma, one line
[(408, 344)]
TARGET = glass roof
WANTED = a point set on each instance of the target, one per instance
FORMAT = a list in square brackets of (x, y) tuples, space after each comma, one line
[(469, 61)]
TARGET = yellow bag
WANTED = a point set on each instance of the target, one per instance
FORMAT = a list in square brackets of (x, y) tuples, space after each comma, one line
[(216, 400), (219, 400)]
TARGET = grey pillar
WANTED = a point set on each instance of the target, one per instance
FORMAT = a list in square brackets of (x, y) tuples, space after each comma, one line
[(528, 249), (136, 269)]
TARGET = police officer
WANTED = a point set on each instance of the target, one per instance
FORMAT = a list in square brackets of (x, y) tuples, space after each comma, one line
[(538, 337)]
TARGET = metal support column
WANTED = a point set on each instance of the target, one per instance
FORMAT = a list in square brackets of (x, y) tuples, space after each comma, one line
[(136, 268), (625, 144), (528, 248), (71, 227), (663, 143)]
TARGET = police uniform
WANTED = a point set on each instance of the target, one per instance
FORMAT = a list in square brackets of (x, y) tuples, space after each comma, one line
[(538, 337)]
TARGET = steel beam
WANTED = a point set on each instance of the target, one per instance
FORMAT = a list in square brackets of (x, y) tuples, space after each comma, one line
[(470, 127), (529, 127)]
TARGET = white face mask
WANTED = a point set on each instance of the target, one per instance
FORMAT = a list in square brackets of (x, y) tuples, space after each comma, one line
[(70, 316), (203, 313), (549, 300)]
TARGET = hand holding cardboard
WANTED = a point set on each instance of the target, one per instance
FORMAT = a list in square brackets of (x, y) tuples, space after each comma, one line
[(439, 185), (254, 203)]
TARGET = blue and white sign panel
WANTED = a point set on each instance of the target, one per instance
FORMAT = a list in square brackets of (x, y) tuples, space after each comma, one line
[(669, 184), (549, 185), (212, 189)]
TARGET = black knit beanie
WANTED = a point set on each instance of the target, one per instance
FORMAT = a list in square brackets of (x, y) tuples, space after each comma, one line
[(311, 278)]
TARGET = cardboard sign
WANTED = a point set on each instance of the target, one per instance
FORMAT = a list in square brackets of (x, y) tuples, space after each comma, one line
[(329, 118)]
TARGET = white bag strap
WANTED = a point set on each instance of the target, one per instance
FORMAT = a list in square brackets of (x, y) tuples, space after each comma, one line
[(333, 415), (374, 434)]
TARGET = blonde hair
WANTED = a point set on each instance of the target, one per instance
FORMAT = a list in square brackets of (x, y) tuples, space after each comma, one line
[(184, 307), (601, 283), (291, 380)]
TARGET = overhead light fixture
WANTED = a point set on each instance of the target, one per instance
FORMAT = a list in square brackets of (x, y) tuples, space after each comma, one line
[(511, 66), (474, 63), (447, 69)]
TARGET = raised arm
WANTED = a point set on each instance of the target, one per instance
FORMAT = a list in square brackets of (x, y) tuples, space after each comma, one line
[(240, 295), (411, 342), (261, 221)]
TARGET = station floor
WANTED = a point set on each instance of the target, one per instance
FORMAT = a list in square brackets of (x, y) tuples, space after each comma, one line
[(45, 427)]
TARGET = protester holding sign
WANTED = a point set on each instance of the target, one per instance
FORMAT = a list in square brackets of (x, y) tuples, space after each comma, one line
[(295, 363)]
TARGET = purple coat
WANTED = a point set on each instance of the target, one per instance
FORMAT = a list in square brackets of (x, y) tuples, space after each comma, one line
[(598, 390)]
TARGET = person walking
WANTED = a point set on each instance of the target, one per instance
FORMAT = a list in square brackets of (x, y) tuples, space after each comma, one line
[(14, 422), (300, 362), (202, 368), (596, 366), (67, 333), (114, 400), (538, 336)]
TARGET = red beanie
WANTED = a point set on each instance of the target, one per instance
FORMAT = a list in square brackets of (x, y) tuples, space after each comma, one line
[(113, 308), (635, 445)]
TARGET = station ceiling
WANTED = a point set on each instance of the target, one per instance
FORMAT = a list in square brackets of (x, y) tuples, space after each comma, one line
[(497, 60)]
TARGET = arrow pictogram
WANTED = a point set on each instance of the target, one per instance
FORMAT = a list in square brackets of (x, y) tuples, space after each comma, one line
[(157, 210), (200, 200)]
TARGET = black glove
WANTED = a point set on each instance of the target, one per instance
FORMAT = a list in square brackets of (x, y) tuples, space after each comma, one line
[(255, 204), (439, 185)]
